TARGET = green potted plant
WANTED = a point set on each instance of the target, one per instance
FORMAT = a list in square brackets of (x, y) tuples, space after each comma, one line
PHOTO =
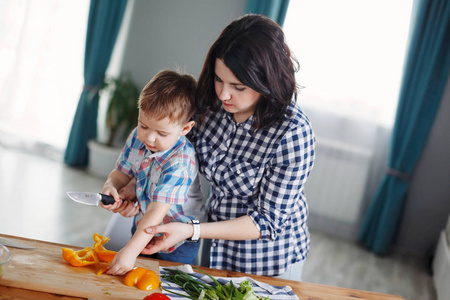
[(121, 117), (122, 111)]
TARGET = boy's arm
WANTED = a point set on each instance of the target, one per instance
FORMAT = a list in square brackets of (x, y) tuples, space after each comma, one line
[(126, 257), (154, 215)]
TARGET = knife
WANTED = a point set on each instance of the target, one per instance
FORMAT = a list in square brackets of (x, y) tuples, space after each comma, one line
[(91, 198), (14, 244)]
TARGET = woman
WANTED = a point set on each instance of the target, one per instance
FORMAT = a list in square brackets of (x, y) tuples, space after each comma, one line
[(256, 148)]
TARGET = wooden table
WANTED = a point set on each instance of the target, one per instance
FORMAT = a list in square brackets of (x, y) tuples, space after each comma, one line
[(303, 290)]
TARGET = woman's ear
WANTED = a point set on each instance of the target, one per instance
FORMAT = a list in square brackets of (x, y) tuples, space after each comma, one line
[(187, 127)]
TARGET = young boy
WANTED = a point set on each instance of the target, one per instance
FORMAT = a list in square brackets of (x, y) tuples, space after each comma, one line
[(162, 162)]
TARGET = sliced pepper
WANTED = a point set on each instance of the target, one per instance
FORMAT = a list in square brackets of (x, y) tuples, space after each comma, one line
[(83, 257), (144, 279), (149, 281), (102, 253), (133, 276), (102, 270)]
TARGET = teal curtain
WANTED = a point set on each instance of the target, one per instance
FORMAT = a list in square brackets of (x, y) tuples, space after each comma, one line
[(425, 75), (274, 9), (105, 17)]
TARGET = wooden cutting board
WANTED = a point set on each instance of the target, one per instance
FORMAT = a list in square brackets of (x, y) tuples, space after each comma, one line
[(44, 269)]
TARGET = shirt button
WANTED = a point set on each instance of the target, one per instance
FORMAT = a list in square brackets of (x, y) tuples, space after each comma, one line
[(214, 244)]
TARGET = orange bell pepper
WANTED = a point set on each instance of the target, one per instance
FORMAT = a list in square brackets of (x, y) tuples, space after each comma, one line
[(142, 278), (149, 281), (133, 276), (102, 253), (80, 258)]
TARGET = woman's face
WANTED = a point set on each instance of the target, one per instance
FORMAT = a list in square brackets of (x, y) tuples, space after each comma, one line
[(237, 98)]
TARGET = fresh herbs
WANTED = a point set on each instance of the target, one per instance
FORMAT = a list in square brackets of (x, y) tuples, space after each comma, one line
[(197, 289)]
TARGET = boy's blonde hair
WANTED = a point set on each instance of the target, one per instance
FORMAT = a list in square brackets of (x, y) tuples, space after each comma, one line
[(169, 94)]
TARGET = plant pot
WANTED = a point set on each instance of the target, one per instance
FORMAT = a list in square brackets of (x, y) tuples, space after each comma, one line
[(102, 159)]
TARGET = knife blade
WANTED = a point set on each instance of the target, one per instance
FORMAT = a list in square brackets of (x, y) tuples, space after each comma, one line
[(14, 244), (91, 198)]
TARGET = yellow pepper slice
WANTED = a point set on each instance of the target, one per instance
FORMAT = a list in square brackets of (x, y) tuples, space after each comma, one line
[(144, 279), (102, 253), (83, 257)]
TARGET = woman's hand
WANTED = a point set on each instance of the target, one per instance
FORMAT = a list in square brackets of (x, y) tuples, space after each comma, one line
[(242, 228), (172, 233)]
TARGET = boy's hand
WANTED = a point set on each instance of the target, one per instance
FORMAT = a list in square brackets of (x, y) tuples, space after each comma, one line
[(111, 190), (128, 192), (122, 263), (128, 209), (116, 180)]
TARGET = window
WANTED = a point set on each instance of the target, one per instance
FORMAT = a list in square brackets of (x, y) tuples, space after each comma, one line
[(351, 54), (41, 67)]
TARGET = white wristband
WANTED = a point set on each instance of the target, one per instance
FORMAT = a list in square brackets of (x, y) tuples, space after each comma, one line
[(195, 237)]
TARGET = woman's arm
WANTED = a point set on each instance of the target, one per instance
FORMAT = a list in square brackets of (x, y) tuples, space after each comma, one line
[(241, 228), (281, 199)]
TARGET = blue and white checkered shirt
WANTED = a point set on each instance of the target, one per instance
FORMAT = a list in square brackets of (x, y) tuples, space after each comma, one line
[(260, 174)]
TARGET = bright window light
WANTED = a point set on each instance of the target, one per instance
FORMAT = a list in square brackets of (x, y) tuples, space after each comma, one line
[(351, 54), (41, 67)]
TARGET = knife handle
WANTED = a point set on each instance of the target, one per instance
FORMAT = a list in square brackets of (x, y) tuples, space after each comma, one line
[(107, 200)]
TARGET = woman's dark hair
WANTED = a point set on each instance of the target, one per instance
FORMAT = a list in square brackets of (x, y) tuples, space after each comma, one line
[(253, 47)]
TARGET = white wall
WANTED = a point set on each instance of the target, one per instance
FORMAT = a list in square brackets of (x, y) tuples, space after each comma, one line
[(174, 34)]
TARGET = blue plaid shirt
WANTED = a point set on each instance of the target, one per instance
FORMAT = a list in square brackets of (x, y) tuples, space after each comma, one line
[(260, 174), (163, 176)]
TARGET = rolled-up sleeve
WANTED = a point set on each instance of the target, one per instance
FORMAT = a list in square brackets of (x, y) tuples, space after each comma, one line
[(281, 193)]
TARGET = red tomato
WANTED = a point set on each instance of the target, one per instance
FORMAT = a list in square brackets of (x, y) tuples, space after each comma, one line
[(156, 296)]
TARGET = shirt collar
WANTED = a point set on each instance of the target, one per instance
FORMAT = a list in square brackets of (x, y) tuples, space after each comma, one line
[(163, 154), (247, 124)]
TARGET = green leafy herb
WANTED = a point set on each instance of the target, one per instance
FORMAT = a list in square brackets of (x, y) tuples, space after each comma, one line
[(202, 291)]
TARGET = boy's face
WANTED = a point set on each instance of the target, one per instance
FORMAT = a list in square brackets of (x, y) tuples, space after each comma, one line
[(160, 135)]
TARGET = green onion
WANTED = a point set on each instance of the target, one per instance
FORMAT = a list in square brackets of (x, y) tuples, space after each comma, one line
[(202, 291)]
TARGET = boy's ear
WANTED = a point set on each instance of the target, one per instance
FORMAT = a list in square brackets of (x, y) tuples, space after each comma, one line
[(187, 127)]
